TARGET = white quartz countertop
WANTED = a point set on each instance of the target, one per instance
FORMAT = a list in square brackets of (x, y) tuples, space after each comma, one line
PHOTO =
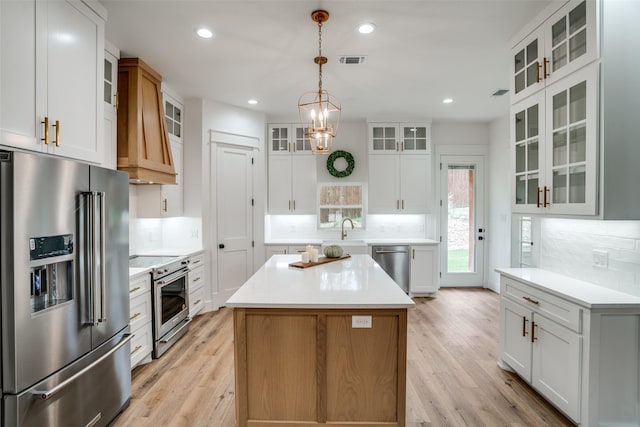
[(582, 293), (315, 241), (133, 272), (356, 282), (173, 252)]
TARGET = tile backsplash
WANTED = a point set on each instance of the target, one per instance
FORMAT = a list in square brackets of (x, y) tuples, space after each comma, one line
[(567, 247), (150, 234)]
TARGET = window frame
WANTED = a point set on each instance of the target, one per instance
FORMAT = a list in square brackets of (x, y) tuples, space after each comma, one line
[(363, 205)]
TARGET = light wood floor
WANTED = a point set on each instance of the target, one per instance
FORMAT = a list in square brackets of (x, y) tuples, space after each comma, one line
[(452, 376)]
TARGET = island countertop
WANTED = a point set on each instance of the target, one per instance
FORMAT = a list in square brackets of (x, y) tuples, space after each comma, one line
[(357, 282)]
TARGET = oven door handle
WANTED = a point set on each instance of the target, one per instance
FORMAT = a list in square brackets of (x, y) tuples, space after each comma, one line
[(46, 394), (166, 339), (172, 277)]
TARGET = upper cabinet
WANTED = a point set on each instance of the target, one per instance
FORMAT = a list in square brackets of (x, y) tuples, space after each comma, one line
[(52, 101), (574, 143), (292, 171), (110, 106), (399, 138), (565, 42), (143, 141)]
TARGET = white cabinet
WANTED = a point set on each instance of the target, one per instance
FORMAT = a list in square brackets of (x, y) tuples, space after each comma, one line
[(287, 139), (110, 106), (166, 200), (406, 138), (575, 343), (399, 184), (424, 270), (292, 184), (52, 102), (271, 250), (554, 147), (140, 315), (562, 44), (197, 283)]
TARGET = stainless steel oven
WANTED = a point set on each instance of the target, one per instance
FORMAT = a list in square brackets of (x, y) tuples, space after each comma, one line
[(170, 299)]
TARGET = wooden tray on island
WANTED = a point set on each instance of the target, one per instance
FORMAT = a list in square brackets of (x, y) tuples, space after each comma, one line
[(321, 260)]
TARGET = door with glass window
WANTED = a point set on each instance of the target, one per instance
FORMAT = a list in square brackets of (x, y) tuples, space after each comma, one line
[(462, 221)]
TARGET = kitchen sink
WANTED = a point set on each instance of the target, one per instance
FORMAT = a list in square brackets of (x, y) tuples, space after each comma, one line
[(350, 246)]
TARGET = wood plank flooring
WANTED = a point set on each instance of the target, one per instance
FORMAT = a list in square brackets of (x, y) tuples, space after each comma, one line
[(452, 376)]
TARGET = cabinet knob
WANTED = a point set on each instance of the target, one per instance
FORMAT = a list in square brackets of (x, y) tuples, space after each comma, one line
[(221, 245)]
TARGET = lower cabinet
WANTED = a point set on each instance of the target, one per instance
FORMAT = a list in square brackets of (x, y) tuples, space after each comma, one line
[(584, 359), (271, 250), (424, 270), (140, 314), (197, 282)]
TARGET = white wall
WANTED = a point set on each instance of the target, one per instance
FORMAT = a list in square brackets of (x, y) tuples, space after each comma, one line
[(498, 237)]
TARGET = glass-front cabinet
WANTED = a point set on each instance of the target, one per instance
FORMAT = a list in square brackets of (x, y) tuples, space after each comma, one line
[(561, 45), (554, 144), (404, 138), (288, 139)]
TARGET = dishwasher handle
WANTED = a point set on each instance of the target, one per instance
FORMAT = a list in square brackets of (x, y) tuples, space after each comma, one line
[(391, 252)]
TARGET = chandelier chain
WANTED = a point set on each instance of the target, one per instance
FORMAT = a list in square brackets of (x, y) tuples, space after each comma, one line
[(320, 55)]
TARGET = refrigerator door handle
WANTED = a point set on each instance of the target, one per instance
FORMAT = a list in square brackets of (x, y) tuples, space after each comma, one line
[(102, 254), (88, 257), (47, 394)]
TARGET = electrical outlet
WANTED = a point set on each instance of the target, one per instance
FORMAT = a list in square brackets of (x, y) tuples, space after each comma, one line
[(361, 321), (600, 258)]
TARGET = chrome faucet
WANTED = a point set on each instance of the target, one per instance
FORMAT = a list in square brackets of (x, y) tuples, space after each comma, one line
[(344, 233)]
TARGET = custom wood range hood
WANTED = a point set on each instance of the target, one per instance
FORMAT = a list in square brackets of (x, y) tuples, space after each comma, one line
[(143, 142)]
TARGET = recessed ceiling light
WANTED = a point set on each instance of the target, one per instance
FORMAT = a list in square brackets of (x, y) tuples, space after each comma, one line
[(205, 33), (366, 28), (252, 101), (447, 101)]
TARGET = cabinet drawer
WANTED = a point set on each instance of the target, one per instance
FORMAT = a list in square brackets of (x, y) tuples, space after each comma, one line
[(141, 344), (196, 301), (551, 306), (139, 285), (140, 310), (196, 278), (196, 261)]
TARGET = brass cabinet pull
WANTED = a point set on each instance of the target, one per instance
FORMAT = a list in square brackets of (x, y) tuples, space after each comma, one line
[(398, 204), (197, 279), (134, 289), (538, 66), (138, 347), (45, 122), (397, 148), (164, 205), (289, 204), (402, 146), (533, 332), (413, 255), (115, 100), (546, 190), (57, 126), (197, 302), (294, 205), (402, 203), (538, 198), (135, 315), (524, 326), (196, 262), (546, 71), (531, 300)]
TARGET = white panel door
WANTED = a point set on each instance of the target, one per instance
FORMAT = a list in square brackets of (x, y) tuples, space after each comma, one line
[(384, 184), (234, 186)]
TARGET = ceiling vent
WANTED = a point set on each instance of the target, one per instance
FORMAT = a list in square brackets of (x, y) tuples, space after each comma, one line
[(352, 59), (500, 92)]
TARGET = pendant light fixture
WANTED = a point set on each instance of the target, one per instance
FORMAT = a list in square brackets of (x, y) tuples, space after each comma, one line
[(319, 110)]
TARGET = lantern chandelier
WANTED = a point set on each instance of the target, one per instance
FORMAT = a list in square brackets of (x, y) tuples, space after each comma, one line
[(319, 110)]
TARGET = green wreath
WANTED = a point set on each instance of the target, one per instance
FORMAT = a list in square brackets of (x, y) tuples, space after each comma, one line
[(336, 155)]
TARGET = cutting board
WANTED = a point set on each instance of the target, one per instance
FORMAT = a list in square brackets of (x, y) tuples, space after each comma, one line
[(321, 260)]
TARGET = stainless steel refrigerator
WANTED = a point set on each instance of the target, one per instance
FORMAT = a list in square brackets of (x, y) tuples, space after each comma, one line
[(64, 245)]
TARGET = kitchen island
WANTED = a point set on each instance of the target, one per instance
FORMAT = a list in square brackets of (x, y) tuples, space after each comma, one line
[(321, 345)]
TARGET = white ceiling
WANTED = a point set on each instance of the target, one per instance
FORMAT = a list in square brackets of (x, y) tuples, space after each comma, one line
[(421, 52)]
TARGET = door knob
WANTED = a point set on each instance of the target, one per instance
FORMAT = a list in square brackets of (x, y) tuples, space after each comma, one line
[(221, 245)]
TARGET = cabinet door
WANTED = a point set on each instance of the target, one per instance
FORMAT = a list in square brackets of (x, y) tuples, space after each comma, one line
[(279, 139), (110, 89), (383, 138), (557, 365), (384, 184), (415, 184), (304, 189), (172, 199), (515, 336), (424, 270), (18, 125), (299, 141), (571, 114), (75, 67), (416, 138), (527, 66), (570, 39), (527, 148), (280, 184)]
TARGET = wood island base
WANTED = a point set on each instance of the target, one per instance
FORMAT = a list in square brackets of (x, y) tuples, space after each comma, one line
[(310, 367)]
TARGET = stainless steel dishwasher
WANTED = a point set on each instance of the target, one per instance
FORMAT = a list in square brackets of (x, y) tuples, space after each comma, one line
[(395, 261)]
